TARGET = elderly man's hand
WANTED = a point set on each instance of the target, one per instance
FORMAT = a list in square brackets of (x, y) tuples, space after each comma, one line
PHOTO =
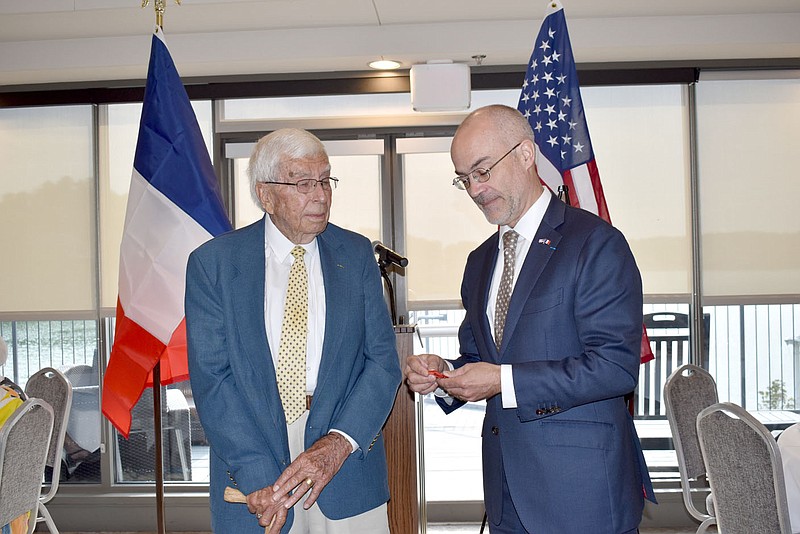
[(312, 470), (268, 511), (473, 381), (418, 377)]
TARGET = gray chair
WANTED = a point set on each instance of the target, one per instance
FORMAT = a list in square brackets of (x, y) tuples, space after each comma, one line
[(745, 471), (670, 341), (136, 455), (24, 442), (84, 421), (53, 387), (687, 391)]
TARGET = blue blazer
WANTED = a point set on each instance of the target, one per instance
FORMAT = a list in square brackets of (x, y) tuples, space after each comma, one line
[(569, 451), (233, 376)]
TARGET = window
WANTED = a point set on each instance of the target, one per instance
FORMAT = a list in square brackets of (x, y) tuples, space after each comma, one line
[(47, 213), (750, 231)]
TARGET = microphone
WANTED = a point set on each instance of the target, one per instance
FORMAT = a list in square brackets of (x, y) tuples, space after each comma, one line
[(387, 255)]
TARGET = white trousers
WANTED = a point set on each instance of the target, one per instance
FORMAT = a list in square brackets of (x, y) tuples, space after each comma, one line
[(312, 521)]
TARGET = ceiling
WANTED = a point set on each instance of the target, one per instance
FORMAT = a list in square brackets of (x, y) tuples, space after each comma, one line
[(44, 41)]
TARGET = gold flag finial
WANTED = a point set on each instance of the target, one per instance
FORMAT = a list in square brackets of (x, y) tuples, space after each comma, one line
[(159, 6)]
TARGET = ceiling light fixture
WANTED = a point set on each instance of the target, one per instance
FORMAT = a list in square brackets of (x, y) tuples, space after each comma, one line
[(384, 64)]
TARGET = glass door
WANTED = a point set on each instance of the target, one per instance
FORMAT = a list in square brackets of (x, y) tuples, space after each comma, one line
[(442, 225)]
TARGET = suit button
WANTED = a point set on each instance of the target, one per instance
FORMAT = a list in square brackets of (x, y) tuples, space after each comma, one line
[(539, 412), (495, 430)]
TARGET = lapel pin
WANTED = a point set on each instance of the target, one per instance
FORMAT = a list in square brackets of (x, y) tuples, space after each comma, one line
[(544, 241)]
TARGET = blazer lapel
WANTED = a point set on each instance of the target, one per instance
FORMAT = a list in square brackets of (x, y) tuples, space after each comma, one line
[(544, 245), (334, 263), (483, 332), (247, 294)]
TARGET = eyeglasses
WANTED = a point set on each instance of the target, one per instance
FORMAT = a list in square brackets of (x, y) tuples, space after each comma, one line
[(480, 174), (307, 185)]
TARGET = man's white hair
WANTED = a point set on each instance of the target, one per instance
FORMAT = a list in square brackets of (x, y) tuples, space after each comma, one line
[(277, 148)]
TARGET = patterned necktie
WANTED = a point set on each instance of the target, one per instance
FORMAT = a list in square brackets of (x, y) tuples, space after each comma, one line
[(504, 291), (291, 373)]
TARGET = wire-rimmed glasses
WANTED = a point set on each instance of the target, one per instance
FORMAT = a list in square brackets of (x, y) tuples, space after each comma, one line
[(306, 185), (480, 174)]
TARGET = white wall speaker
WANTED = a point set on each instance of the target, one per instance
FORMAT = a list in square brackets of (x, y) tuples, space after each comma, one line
[(440, 86)]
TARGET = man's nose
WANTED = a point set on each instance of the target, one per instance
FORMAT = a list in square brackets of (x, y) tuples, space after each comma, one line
[(318, 192), (476, 188)]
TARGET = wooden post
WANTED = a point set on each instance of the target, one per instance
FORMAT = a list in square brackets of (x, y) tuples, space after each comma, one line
[(400, 437)]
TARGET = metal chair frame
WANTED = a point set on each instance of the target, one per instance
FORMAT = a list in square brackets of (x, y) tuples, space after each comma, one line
[(24, 441), (745, 471), (697, 386), (53, 387)]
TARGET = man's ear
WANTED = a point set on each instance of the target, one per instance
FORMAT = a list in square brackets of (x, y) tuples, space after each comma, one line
[(264, 197), (528, 151)]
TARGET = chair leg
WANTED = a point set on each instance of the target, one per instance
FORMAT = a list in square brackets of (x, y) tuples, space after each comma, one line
[(182, 454), (705, 524), (33, 519), (45, 515)]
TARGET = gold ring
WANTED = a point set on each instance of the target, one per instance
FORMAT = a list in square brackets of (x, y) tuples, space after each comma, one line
[(309, 482)]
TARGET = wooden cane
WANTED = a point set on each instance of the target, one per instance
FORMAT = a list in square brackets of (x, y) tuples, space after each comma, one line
[(235, 496)]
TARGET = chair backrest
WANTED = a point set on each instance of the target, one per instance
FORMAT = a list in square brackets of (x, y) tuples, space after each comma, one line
[(53, 387), (688, 391), (669, 335), (24, 441), (745, 471), (82, 374)]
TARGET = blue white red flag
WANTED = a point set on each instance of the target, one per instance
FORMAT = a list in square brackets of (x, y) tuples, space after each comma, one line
[(551, 101), (174, 205)]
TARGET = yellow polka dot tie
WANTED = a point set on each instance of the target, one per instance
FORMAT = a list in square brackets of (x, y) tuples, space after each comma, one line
[(504, 291), (291, 373)]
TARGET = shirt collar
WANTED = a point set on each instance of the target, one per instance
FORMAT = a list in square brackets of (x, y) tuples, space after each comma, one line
[(528, 224), (279, 245)]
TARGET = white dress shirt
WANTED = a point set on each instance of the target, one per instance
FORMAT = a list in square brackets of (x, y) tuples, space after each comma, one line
[(277, 252), (278, 258), (526, 227)]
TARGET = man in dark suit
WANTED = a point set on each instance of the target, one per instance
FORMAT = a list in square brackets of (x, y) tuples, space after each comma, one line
[(286, 287), (551, 340)]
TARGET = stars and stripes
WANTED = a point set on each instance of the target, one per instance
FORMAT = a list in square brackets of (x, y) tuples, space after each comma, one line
[(551, 101)]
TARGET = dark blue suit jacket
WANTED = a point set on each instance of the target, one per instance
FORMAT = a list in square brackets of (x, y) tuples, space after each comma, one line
[(233, 376), (569, 451)]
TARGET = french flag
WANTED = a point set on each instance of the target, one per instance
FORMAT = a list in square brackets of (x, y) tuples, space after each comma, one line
[(174, 206)]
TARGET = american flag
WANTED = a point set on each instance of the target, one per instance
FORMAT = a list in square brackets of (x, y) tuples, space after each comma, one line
[(551, 101)]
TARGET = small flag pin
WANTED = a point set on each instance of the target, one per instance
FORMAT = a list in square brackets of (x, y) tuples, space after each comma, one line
[(545, 241)]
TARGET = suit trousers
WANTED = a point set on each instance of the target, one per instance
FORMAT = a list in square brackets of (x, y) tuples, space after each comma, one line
[(312, 521), (510, 522)]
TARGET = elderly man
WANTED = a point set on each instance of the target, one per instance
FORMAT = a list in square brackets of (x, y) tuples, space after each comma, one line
[(292, 356), (551, 340)]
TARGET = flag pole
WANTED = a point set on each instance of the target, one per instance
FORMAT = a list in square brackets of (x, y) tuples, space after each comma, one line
[(158, 464), (159, 6), (171, 170)]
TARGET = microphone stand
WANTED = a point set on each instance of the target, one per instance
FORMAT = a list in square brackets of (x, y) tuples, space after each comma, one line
[(382, 264)]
